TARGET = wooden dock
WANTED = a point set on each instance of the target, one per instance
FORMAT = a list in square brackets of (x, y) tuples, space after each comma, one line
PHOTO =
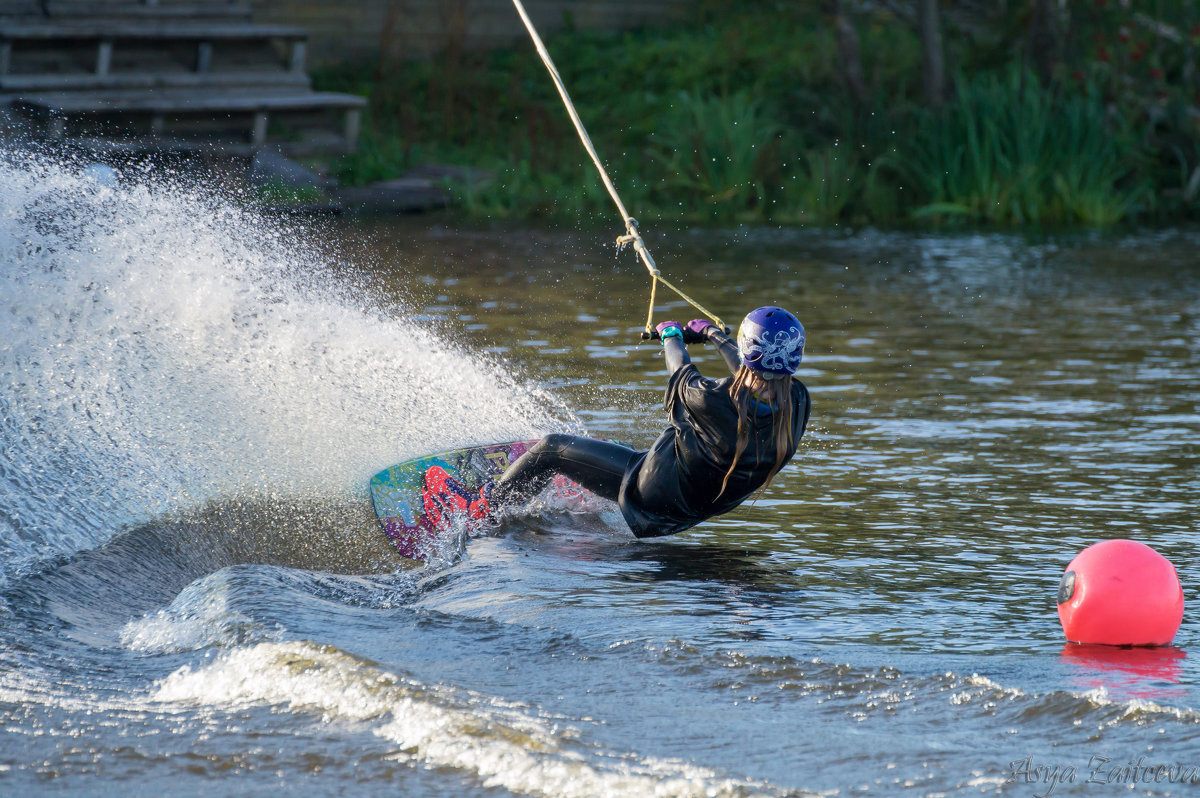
[(140, 71)]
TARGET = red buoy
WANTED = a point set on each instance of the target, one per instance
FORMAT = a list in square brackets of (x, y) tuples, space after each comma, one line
[(1120, 593)]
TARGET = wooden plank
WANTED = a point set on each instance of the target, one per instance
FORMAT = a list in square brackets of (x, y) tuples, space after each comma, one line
[(17, 8), (183, 101), (180, 31), (99, 8), (40, 83), (172, 142)]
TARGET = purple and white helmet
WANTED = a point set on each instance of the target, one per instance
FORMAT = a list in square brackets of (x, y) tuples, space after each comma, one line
[(771, 342)]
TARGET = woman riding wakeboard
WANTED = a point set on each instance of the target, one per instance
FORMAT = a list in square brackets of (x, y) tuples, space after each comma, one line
[(727, 438)]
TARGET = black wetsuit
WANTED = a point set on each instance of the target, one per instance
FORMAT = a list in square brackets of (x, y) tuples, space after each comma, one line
[(676, 484)]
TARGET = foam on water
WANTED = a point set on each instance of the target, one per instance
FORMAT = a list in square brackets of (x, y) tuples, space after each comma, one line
[(161, 347), (501, 745)]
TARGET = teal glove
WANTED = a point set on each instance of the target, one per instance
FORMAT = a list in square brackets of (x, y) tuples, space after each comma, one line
[(669, 329)]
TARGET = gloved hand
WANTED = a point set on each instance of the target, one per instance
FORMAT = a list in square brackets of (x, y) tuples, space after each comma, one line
[(696, 331), (669, 329)]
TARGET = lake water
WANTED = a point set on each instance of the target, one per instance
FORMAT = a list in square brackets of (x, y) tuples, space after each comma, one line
[(196, 599)]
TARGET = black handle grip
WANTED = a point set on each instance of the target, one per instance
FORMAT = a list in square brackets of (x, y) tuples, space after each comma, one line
[(689, 337)]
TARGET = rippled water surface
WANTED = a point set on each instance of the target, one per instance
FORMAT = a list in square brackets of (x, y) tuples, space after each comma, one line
[(196, 598)]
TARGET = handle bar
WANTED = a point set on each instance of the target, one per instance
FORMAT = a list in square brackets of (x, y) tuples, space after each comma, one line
[(689, 337)]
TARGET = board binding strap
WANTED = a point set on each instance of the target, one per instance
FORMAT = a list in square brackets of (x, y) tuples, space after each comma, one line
[(419, 501)]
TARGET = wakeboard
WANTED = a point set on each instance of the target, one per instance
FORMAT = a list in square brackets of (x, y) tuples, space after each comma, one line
[(418, 500)]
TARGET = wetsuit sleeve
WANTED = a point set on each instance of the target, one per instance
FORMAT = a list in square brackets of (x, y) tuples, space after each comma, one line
[(727, 349), (675, 353), (693, 389)]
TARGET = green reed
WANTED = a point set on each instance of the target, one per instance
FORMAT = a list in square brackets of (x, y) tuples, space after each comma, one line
[(712, 154), (1008, 150)]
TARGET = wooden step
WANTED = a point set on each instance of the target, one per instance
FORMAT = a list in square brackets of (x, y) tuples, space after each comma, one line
[(108, 37), (116, 30), (152, 69), (139, 8), (56, 108), (28, 84), (185, 100), (31, 9)]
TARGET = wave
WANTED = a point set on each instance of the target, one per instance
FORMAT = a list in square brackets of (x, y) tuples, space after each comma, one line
[(501, 744)]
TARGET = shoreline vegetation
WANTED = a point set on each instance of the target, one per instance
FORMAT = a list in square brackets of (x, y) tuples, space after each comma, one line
[(814, 114)]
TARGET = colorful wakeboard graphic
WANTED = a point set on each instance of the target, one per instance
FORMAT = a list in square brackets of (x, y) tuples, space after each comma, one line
[(418, 499)]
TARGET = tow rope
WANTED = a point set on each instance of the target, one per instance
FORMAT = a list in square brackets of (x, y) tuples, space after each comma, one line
[(632, 236)]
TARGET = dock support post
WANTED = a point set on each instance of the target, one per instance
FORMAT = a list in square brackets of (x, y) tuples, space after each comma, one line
[(351, 124), (204, 52), (104, 57), (297, 56), (259, 135)]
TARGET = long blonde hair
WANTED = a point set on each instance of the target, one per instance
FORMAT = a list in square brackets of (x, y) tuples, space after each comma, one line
[(777, 394)]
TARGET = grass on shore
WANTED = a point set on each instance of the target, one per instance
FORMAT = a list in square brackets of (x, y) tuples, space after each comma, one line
[(742, 117)]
